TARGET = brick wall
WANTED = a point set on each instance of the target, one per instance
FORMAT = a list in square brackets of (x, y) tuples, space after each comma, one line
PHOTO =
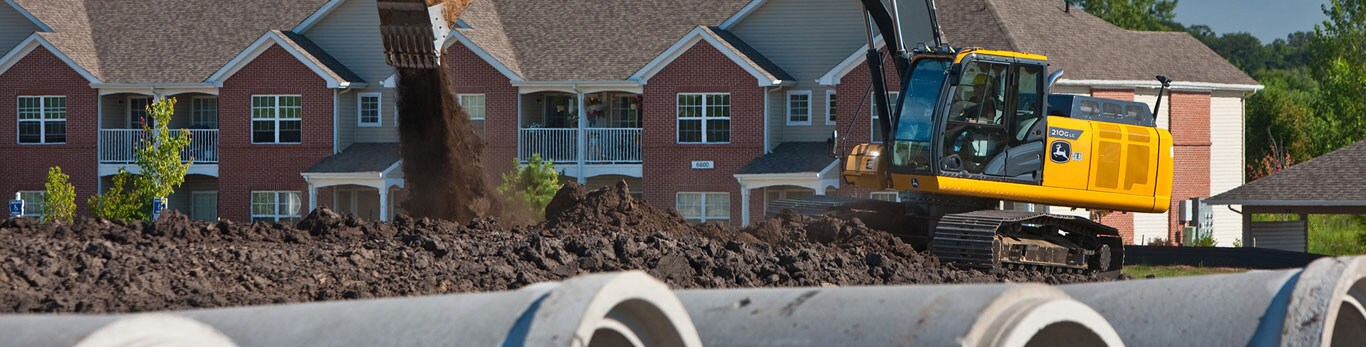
[(471, 74), (24, 167), (245, 167), (702, 69), (1190, 118), (1119, 220)]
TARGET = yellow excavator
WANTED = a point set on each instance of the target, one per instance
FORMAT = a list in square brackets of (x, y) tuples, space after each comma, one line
[(974, 128)]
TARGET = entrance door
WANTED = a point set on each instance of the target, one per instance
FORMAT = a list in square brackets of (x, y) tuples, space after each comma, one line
[(204, 205)]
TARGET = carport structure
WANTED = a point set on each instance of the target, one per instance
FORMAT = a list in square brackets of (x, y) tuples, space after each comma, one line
[(1334, 183)]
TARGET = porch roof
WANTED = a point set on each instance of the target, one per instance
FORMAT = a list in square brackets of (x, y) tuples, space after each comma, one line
[(1330, 180), (792, 157), (360, 157)]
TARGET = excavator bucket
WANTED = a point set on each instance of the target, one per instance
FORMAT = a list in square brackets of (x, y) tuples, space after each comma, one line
[(408, 30)]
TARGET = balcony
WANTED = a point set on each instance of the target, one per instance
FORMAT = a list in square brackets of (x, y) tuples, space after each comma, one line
[(602, 146), (120, 146)]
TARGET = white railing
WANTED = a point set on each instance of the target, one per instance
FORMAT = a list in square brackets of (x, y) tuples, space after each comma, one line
[(119, 146), (603, 145)]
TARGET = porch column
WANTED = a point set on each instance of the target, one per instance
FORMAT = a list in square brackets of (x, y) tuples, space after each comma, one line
[(384, 203), (582, 152), (312, 197), (744, 204)]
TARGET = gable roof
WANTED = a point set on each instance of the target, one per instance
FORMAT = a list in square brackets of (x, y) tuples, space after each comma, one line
[(748, 58), (359, 157), (556, 40), (1087, 47), (792, 157), (1331, 179), (303, 49), (160, 41), (32, 43)]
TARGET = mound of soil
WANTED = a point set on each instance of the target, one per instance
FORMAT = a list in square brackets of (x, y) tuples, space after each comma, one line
[(97, 265)]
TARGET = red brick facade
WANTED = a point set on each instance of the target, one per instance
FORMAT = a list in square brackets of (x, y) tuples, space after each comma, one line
[(472, 75), (702, 69), (42, 73), (1190, 127), (245, 167)]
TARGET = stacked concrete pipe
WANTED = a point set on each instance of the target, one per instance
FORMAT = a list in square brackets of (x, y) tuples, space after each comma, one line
[(149, 330), (939, 315), (1319, 305)]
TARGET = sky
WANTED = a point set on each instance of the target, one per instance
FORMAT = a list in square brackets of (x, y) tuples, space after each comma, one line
[(1266, 19)]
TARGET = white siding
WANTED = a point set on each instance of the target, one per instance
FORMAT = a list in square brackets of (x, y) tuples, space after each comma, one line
[(14, 27), (1226, 161), (388, 131), (1149, 226), (1071, 90), (351, 34), (346, 119)]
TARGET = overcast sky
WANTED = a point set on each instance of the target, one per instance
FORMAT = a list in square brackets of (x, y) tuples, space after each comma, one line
[(1266, 19)]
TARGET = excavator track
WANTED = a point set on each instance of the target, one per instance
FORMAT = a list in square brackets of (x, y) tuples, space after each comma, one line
[(1000, 239)]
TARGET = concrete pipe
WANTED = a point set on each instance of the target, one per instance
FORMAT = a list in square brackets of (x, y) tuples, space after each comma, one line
[(617, 309), (1316, 306), (148, 330), (939, 315)]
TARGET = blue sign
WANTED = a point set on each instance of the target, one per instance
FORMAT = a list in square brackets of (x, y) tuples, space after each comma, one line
[(16, 208), (158, 204)]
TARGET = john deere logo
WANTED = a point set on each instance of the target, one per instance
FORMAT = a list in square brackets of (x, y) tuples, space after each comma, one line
[(1060, 152)]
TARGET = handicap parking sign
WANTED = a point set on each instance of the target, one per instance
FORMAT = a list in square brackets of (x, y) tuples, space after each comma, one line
[(158, 204), (16, 208)]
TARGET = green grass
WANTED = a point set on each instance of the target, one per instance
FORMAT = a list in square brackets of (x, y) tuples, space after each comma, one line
[(1143, 271), (1329, 234)]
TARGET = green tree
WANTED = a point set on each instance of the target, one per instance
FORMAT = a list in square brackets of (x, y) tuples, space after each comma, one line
[(60, 196), (534, 183), (119, 202), (163, 170), (1147, 15), (1341, 43)]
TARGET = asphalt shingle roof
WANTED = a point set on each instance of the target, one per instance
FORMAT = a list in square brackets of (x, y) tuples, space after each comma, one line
[(748, 53), (359, 157), (320, 57), (556, 40), (1087, 47), (1333, 177), (161, 41), (792, 157)]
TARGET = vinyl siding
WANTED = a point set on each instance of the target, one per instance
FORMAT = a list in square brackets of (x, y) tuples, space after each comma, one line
[(388, 131), (351, 34), (114, 111), (1226, 161), (346, 119), (805, 37), (14, 27), (777, 117), (818, 131), (1149, 226)]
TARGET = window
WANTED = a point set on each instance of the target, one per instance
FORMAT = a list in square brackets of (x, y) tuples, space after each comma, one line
[(42, 119), (830, 107), (877, 127), (704, 207), (275, 206), (204, 113), (276, 119), (475, 105), (137, 110), (34, 201), (885, 196), (367, 110), (799, 107), (772, 194), (703, 118)]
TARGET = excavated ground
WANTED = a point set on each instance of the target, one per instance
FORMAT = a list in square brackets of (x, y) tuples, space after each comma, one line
[(108, 266)]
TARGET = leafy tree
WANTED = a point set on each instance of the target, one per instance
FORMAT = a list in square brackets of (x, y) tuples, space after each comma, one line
[(1147, 15), (534, 183), (119, 202), (163, 170), (1341, 43), (60, 196)]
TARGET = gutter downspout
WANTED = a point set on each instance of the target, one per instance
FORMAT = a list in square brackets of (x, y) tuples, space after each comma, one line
[(766, 120), (336, 123)]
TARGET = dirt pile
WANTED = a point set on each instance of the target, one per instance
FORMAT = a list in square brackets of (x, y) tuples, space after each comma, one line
[(435, 134), (106, 266)]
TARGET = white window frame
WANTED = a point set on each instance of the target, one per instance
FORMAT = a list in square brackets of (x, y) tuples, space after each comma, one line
[(42, 120), (30, 208), (830, 103), (807, 94), (276, 118), (872, 120), (896, 197), (279, 196), (704, 218), (678, 120), (484, 109), (360, 110), (134, 122), (196, 112)]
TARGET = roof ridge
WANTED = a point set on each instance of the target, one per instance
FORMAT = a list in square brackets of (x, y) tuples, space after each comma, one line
[(1010, 37)]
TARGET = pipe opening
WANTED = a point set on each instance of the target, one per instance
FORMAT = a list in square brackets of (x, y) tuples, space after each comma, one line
[(634, 323), (1349, 327), (1065, 334), (605, 337)]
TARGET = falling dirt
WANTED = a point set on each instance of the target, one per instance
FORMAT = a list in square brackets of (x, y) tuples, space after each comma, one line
[(435, 134), (105, 266)]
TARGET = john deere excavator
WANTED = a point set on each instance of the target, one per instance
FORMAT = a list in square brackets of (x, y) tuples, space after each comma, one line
[(974, 128), (971, 129)]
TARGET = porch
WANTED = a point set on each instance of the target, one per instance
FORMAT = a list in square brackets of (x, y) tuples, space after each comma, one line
[(123, 114), (364, 178), (605, 141)]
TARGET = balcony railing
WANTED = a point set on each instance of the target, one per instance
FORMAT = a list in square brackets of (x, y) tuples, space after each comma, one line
[(561, 145), (119, 146)]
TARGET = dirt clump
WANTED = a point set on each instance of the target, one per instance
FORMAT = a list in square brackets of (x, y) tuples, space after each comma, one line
[(95, 265), (434, 132)]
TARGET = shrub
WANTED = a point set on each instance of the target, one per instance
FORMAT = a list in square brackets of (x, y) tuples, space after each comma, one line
[(60, 196), (119, 202), (534, 183)]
